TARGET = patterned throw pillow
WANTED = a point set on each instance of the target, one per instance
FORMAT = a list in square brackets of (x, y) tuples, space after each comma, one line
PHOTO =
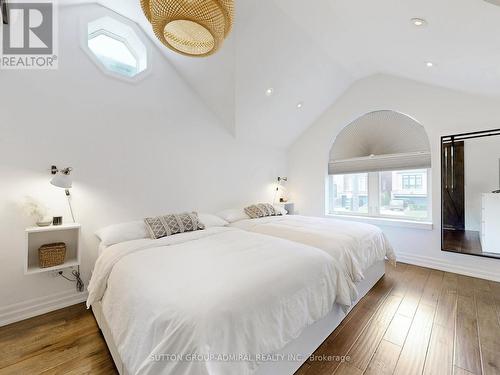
[(162, 226), (261, 210)]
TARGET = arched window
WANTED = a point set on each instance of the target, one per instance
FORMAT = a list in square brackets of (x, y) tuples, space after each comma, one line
[(380, 167)]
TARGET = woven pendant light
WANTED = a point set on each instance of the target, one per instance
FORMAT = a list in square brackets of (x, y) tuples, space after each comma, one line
[(190, 27)]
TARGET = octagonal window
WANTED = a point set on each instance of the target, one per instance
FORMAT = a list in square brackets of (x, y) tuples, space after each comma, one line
[(116, 48)]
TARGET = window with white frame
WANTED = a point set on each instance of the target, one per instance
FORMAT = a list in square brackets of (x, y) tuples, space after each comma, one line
[(116, 48), (400, 194), (380, 167), (349, 193)]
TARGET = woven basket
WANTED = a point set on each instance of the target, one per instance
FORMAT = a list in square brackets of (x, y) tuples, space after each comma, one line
[(51, 255)]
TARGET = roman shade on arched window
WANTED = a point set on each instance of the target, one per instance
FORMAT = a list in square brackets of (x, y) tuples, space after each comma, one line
[(380, 141)]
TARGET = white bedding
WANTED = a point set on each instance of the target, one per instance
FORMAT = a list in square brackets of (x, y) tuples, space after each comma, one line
[(358, 246), (213, 293)]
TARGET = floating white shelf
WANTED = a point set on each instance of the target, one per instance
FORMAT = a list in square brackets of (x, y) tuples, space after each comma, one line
[(38, 236)]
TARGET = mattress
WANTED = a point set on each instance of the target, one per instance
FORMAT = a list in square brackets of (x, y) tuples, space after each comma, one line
[(357, 246)]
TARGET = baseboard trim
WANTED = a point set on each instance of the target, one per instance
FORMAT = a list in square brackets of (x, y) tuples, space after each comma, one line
[(38, 306), (447, 266)]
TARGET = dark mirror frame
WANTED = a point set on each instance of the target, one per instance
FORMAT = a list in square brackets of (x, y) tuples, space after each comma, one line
[(452, 148)]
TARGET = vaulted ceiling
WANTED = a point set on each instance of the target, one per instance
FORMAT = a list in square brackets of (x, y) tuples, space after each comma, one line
[(310, 52)]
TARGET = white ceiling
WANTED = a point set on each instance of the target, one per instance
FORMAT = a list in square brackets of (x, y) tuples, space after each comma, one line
[(312, 51)]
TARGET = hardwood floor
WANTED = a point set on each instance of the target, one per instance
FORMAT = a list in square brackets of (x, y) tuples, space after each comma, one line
[(462, 241), (66, 341), (465, 242), (418, 321), (414, 321)]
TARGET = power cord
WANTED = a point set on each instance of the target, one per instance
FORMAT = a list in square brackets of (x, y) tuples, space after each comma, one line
[(76, 273)]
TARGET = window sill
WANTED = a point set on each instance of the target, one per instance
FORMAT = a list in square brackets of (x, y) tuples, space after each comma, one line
[(424, 225)]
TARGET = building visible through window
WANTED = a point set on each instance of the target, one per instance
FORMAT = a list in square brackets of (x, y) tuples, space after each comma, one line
[(350, 193), (404, 194)]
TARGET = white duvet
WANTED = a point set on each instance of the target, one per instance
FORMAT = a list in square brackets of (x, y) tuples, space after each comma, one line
[(212, 301), (356, 245)]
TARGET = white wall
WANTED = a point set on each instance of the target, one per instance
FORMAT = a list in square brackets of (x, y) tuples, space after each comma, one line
[(440, 111), (482, 157), (137, 149)]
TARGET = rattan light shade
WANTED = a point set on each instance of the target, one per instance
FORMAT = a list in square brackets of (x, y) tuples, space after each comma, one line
[(190, 27)]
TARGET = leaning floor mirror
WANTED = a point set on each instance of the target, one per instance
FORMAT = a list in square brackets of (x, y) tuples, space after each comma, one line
[(470, 178)]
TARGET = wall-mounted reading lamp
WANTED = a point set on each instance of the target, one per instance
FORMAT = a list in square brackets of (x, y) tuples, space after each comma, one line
[(62, 179), (281, 180)]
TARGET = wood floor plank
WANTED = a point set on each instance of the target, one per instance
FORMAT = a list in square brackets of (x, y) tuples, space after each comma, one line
[(41, 323), (385, 359), (409, 304), (40, 341), (64, 351), (495, 289), (396, 270), (371, 301), (376, 296), (467, 354), (481, 284), (450, 282), (347, 369), (398, 329), (439, 359), (412, 358), (461, 371), (447, 305), (489, 331), (367, 343), (403, 279), (91, 359), (465, 286), (341, 344), (489, 328), (432, 288), (495, 292), (416, 284), (491, 361)]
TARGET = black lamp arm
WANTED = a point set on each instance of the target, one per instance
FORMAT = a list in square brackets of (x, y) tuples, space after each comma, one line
[(65, 171)]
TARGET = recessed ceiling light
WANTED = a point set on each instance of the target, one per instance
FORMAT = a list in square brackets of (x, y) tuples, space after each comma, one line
[(300, 105), (269, 91), (429, 64), (418, 22)]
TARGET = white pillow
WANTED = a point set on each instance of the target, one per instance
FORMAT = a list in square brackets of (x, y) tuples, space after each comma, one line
[(232, 215), (117, 233), (210, 220), (280, 209)]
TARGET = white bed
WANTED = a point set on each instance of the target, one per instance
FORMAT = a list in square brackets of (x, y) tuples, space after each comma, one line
[(218, 292), (358, 246)]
